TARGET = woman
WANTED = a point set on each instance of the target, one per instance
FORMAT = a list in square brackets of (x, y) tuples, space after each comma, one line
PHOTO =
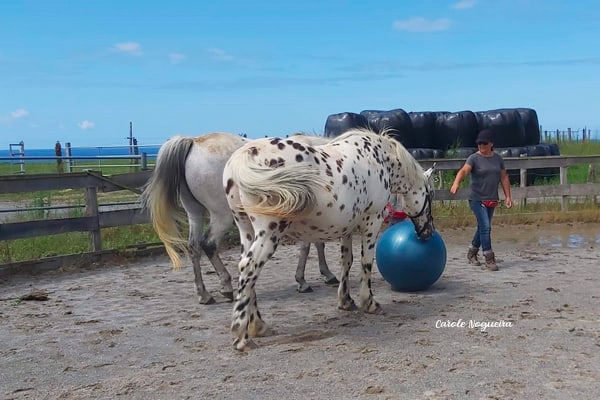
[(487, 171)]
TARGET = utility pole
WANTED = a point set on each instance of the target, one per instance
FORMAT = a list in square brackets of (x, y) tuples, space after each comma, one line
[(130, 138)]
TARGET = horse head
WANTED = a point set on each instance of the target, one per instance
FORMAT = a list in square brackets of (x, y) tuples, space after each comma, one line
[(418, 207)]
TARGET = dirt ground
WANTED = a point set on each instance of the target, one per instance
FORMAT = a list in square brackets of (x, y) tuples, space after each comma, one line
[(136, 331)]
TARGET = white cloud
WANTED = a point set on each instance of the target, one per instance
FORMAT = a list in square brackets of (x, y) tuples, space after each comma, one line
[(420, 24), (177, 58), (85, 125), (129, 48), (19, 113), (464, 4), (219, 55)]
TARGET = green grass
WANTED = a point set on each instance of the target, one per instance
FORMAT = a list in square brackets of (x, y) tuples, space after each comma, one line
[(106, 166)]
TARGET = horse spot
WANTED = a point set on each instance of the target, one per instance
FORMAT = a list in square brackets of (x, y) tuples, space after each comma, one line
[(299, 158), (275, 163), (253, 150), (249, 237), (344, 180), (298, 146), (342, 207), (261, 233), (273, 226), (280, 146), (283, 225), (229, 185)]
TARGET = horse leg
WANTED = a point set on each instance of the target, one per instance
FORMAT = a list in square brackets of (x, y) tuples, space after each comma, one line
[(345, 302), (330, 278), (365, 299), (219, 224), (247, 321), (303, 286), (204, 296)]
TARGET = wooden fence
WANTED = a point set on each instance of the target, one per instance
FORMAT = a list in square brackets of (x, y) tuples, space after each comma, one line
[(94, 219)]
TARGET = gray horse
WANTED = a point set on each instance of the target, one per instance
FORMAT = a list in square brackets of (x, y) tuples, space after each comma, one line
[(190, 170)]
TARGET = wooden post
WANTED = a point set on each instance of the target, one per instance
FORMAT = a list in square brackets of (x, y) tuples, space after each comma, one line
[(591, 178), (563, 181), (144, 161), (523, 183), (91, 210)]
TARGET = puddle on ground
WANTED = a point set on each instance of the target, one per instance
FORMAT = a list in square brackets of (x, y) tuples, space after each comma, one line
[(572, 241), (574, 236)]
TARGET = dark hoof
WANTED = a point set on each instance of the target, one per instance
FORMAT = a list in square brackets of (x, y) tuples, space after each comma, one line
[(208, 301), (305, 289), (227, 295), (332, 281)]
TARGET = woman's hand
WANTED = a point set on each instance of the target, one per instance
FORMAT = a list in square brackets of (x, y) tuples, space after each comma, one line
[(454, 188), (508, 202)]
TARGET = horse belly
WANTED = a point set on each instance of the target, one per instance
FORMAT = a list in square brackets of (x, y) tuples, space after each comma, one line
[(323, 228)]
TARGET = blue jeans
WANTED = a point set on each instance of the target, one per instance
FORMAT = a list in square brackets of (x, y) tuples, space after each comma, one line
[(482, 237)]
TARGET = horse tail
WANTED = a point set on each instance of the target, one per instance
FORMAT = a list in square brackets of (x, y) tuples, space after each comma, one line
[(285, 191), (162, 192)]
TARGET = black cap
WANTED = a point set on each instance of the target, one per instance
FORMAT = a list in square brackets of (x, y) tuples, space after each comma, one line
[(485, 136)]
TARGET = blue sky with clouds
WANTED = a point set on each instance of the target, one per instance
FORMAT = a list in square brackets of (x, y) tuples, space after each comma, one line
[(79, 71)]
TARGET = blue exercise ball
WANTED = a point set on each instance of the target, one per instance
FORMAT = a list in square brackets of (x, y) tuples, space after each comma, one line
[(408, 263)]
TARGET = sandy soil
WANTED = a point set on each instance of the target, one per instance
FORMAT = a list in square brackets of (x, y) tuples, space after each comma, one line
[(136, 331)]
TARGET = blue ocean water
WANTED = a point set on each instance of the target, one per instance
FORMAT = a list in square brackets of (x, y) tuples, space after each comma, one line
[(150, 150)]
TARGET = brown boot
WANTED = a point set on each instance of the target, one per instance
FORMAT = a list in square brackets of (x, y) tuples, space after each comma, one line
[(490, 261), (472, 256)]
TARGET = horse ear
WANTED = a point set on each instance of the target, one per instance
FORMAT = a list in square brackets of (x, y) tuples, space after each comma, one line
[(430, 171)]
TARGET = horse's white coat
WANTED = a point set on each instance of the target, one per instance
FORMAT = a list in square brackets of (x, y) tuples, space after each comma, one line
[(279, 187)]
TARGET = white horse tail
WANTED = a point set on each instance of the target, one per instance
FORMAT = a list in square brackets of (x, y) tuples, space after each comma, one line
[(286, 191), (161, 196)]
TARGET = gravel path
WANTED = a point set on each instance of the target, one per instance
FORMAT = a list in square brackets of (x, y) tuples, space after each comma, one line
[(136, 331)]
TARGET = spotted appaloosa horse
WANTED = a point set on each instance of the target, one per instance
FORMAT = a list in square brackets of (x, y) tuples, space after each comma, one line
[(191, 170), (278, 187)]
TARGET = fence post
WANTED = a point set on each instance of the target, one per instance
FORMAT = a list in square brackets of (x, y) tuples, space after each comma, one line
[(523, 183), (91, 210), (563, 181), (68, 154), (144, 161)]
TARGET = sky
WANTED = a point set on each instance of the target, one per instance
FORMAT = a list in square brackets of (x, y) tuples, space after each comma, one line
[(81, 71)]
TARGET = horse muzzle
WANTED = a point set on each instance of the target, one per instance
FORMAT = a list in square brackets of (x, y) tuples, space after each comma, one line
[(426, 231)]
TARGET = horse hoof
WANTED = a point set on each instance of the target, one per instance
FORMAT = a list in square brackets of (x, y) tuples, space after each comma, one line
[(332, 281), (374, 309), (244, 345), (348, 306), (207, 301), (227, 295), (305, 289)]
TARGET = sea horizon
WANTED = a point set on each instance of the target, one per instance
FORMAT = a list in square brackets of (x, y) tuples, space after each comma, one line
[(14, 151)]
